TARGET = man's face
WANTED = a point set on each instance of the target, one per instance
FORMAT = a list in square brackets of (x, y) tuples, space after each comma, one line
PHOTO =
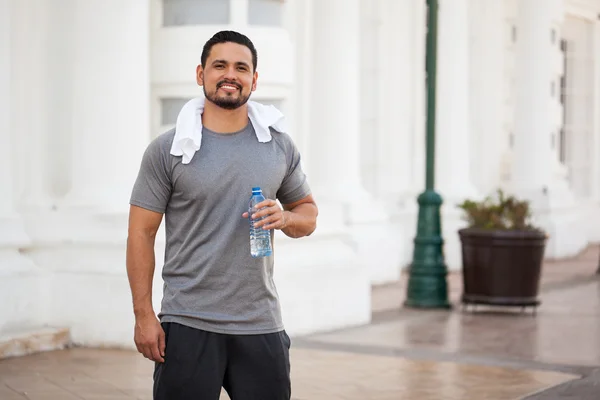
[(228, 78)]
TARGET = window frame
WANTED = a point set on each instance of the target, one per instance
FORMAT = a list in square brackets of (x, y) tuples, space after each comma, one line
[(239, 15)]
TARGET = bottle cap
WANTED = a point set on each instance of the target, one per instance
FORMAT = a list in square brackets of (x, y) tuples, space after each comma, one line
[(256, 189)]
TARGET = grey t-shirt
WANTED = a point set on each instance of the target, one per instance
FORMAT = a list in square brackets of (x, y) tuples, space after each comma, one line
[(211, 282)]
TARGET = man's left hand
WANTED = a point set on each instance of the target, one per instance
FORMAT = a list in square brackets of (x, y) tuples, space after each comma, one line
[(274, 215)]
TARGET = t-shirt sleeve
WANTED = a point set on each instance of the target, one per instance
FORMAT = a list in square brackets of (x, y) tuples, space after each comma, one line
[(152, 187), (295, 185)]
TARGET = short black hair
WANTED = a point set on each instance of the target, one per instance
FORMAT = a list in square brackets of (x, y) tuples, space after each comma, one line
[(226, 37)]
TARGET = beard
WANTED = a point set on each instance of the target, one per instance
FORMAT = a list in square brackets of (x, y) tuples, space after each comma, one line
[(228, 102)]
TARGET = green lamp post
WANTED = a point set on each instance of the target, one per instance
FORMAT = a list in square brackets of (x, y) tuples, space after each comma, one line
[(427, 286)]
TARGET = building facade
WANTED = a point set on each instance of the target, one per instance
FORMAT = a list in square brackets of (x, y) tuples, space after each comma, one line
[(85, 86)]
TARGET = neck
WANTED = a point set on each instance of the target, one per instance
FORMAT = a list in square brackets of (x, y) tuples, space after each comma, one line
[(224, 121)]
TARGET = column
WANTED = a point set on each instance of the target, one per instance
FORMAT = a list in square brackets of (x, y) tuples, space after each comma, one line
[(536, 172), (487, 87), (334, 128), (110, 101), (418, 18), (21, 283), (297, 19), (12, 233), (394, 45), (453, 155), (330, 252), (596, 135), (31, 97), (536, 114)]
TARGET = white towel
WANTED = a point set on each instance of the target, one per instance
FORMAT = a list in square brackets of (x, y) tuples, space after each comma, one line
[(188, 129)]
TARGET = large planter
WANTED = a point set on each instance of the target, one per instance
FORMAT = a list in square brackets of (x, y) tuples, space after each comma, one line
[(501, 267)]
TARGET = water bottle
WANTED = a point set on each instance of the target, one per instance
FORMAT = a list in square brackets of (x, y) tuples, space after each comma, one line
[(260, 239)]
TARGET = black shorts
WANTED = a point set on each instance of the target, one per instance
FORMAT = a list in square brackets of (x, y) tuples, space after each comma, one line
[(198, 363)]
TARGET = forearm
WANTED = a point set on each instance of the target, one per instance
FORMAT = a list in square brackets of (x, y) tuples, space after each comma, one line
[(140, 272), (300, 221)]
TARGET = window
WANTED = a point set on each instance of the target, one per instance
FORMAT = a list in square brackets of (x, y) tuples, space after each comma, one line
[(577, 95), (562, 144), (195, 12), (265, 12), (169, 110)]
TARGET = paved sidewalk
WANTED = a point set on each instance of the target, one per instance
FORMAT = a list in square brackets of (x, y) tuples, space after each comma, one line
[(317, 375), (493, 354), (587, 388)]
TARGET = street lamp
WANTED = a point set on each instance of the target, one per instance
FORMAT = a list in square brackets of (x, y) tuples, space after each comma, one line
[(427, 286)]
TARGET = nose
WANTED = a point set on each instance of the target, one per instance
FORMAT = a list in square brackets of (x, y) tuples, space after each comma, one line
[(230, 74)]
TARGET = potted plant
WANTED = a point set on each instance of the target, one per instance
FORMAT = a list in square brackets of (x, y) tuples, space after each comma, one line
[(502, 252)]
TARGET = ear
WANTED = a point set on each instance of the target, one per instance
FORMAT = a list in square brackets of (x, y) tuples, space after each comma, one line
[(200, 75), (254, 81)]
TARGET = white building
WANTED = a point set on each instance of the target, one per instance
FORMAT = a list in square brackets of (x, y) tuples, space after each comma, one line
[(86, 84)]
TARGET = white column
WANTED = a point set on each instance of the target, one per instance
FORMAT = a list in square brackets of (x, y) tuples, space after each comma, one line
[(334, 128), (418, 18), (596, 118), (335, 140), (453, 155), (537, 116), (329, 253), (20, 280), (110, 101), (29, 91), (298, 21), (12, 233), (536, 172), (395, 42), (453, 175), (487, 90)]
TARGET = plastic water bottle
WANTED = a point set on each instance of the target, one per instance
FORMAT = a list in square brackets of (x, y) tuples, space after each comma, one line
[(260, 239)]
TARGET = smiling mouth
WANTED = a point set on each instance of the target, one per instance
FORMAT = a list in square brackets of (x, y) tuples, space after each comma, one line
[(228, 88)]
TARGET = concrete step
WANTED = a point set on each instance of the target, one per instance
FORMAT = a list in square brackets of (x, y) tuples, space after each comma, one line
[(25, 342)]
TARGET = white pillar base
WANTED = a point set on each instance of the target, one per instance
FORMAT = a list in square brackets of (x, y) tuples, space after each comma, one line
[(561, 215), (322, 284), (90, 268), (405, 218), (376, 239), (452, 221), (567, 233), (30, 341), (12, 232), (380, 248), (591, 212), (320, 279), (22, 285)]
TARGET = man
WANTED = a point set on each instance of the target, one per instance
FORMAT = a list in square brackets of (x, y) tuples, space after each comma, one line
[(220, 321)]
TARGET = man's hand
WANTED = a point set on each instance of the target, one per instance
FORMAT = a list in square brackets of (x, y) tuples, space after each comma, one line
[(295, 220), (275, 217), (150, 338)]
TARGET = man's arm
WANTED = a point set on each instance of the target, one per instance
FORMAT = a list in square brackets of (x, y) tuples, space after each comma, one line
[(296, 220), (143, 226), (300, 218)]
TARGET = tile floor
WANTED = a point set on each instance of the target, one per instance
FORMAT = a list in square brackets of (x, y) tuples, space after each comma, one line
[(316, 375)]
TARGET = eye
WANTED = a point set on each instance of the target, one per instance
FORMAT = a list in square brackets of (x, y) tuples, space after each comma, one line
[(219, 66), (242, 68)]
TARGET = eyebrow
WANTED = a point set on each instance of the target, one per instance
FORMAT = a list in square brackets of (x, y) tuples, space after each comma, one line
[(226, 62)]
